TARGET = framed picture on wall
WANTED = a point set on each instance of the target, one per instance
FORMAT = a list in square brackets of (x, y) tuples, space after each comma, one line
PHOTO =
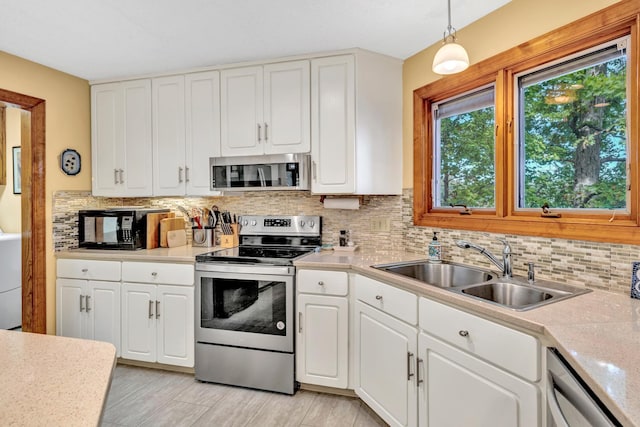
[(17, 170)]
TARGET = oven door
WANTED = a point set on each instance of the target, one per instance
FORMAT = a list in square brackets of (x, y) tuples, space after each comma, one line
[(245, 306)]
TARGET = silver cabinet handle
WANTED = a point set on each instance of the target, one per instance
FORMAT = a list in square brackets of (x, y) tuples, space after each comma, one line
[(150, 309), (409, 373), (121, 176), (266, 132), (259, 132), (313, 169), (320, 283), (81, 306), (157, 309), (115, 176), (87, 305), (180, 174), (379, 297), (463, 333), (300, 322), (84, 270), (154, 274), (186, 173), (418, 363)]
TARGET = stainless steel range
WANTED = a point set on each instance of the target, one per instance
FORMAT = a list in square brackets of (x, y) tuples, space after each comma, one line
[(245, 303)]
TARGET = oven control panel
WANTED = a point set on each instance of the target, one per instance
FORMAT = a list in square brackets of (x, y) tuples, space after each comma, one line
[(286, 225)]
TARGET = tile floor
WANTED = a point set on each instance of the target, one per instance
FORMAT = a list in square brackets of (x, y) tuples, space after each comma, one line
[(150, 397)]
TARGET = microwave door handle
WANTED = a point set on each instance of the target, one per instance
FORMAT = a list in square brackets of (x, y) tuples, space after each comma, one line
[(263, 182)]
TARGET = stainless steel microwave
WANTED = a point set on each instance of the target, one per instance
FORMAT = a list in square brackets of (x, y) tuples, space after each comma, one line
[(117, 228), (269, 172)]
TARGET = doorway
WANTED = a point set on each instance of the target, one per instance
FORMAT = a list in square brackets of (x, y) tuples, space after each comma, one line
[(34, 303)]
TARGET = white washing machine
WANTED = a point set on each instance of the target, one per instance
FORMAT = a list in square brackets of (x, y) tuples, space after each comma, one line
[(11, 280)]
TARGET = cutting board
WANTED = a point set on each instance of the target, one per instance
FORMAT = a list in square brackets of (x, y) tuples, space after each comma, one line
[(176, 238), (153, 228), (169, 224)]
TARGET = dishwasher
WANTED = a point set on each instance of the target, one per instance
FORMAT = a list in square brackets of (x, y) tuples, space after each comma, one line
[(570, 402)]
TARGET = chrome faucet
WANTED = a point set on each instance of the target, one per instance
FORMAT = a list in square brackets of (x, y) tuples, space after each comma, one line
[(504, 266)]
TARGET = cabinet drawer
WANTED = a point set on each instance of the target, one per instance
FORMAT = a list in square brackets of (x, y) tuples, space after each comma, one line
[(156, 272), (88, 269), (391, 300), (509, 349), (323, 282)]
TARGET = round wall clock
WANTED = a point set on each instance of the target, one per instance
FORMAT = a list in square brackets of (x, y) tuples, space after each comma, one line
[(70, 162)]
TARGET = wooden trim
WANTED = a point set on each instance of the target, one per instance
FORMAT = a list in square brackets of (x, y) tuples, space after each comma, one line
[(615, 21), (33, 201), (3, 145)]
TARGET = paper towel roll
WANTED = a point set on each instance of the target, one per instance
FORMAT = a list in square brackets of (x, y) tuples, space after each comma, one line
[(342, 203)]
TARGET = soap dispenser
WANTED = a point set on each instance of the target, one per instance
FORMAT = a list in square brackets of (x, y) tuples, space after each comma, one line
[(435, 249)]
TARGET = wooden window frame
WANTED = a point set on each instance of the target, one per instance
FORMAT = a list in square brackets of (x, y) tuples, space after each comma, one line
[(610, 23)]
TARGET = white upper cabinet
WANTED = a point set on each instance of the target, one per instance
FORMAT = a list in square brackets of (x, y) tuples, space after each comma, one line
[(265, 109), (202, 110), (168, 136), (121, 139), (186, 132), (356, 130)]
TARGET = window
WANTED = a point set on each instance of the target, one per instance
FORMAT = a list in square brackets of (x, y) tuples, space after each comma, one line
[(464, 160), (554, 121), (572, 138)]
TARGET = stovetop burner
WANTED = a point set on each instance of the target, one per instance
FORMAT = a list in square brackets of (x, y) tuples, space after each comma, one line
[(255, 255)]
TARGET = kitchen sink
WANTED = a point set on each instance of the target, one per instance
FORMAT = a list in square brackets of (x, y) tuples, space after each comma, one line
[(443, 275), (519, 296)]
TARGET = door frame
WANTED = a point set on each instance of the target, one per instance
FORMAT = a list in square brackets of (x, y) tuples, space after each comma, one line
[(33, 206)]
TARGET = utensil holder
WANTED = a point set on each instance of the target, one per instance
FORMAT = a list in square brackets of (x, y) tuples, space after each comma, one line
[(203, 237), (230, 240)]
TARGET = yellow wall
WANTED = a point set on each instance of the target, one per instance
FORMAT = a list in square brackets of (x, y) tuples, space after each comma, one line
[(9, 202), (509, 26), (67, 126)]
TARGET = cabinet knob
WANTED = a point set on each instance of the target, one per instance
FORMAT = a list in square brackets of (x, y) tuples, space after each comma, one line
[(84, 270), (379, 297), (320, 283), (154, 274), (463, 333)]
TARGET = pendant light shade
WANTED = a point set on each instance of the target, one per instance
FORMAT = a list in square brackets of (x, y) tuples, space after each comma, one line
[(451, 58)]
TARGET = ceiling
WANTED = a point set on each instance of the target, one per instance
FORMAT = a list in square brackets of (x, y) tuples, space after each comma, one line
[(108, 39)]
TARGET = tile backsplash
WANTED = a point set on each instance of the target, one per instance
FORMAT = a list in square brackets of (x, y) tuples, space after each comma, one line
[(594, 265)]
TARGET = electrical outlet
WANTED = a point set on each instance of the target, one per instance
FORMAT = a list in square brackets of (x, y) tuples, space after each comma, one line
[(380, 224)]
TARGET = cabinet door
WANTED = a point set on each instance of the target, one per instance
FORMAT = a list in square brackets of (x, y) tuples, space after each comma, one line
[(202, 129), (322, 343), (139, 322), (107, 138), (385, 351), (462, 390), (287, 108), (136, 176), (103, 309), (333, 124), (242, 127), (69, 302), (168, 136), (175, 317)]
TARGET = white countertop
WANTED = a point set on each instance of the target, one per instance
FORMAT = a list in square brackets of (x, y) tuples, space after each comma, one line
[(598, 332), (47, 380)]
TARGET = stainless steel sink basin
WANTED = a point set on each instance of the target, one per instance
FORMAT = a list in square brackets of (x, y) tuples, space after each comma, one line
[(444, 275), (519, 296)]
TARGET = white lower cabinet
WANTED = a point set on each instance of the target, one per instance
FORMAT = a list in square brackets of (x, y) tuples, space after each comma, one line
[(87, 307), (474, 372), (322, 341), (157, 318), (385, 351)]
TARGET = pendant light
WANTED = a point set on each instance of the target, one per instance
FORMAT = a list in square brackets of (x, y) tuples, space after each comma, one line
[(451, 58)]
